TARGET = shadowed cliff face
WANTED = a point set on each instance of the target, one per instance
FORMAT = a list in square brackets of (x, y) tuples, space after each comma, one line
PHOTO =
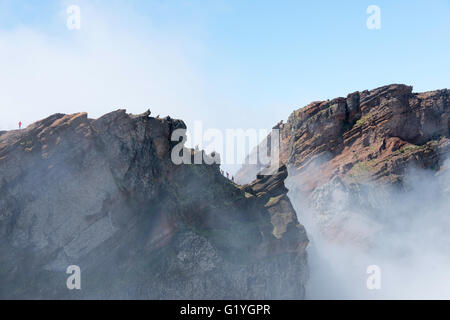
[(104, 195)]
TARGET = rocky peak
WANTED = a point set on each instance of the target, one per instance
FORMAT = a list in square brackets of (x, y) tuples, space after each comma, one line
[(346, 157), (105, 195), (369, 135)]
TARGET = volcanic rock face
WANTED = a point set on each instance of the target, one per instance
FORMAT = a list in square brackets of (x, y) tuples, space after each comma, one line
[(370, 135), (104, 195), (335, 150)]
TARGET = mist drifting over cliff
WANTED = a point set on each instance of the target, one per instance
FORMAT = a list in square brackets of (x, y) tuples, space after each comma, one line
[(104, 196), (401, 229), (369, 180)]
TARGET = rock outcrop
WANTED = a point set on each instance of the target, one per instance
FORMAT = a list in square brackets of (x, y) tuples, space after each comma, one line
[(371, 135), (105, 195), (343, 153)]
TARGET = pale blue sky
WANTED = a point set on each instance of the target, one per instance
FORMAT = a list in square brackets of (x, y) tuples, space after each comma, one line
[(230, 64)]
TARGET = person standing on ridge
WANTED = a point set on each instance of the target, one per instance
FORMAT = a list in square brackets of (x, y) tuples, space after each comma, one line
[(20, 125)]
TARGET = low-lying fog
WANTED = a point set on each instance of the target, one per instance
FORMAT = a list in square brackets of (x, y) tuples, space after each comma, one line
[(405, 232)]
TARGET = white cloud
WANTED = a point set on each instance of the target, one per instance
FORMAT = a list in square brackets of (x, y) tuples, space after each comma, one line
[(98, 69), (120, 58)]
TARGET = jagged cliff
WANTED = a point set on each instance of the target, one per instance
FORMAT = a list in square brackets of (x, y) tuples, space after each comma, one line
[(345, 156), (369, 135), (104, 195)]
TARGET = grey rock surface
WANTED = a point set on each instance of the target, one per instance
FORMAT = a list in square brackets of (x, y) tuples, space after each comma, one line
[(104, 195)]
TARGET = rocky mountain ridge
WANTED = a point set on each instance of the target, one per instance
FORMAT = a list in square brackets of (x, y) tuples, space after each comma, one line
[(103, 194), (370, 135), (349, 159)]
